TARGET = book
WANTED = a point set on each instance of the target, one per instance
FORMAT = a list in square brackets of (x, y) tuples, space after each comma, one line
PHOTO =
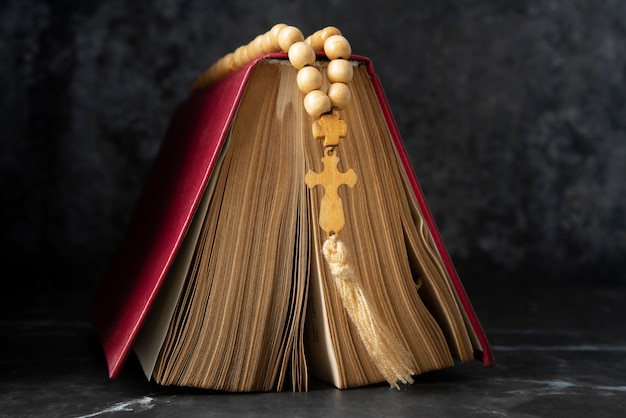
[(221, 283)]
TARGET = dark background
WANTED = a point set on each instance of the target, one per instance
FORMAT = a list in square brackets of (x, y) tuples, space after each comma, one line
[(513, 112)]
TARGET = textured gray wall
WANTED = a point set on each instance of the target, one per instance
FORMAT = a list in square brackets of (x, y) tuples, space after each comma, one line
[(514, 114)]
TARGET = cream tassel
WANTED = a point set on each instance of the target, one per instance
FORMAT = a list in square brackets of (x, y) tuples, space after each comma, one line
[(386, 351)]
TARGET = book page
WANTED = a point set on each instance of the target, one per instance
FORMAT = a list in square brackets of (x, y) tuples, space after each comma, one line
[(405, 281), (237, 323), (318, 341), (150, 339)]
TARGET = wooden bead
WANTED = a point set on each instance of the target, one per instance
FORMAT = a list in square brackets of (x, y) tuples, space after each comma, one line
[(214, 73), (316, 102), (241, 56), (251, 53), (222, 65), (228, 62), (339, 71), (309, 79), (327, 32), (337, 46), (339, 95), (206, 79), (288, 36), (256, 46), (317, 39), (273, 33), (301, 54), (267, 45)]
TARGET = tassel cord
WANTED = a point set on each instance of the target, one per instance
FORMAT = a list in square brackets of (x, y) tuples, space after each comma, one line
[(388, 354)]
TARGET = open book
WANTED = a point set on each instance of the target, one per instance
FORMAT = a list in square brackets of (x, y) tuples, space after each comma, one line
[(221, 284)]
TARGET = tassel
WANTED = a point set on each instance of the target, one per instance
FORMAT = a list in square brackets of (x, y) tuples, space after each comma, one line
[(388, 354)]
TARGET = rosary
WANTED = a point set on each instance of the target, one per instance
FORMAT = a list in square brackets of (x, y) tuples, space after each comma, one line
[(388, 354)]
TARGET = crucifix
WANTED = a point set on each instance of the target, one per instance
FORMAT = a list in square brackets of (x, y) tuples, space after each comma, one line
[(331, 218), (330, 128)]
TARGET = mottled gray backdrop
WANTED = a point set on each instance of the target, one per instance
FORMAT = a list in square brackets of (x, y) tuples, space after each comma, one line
[(514, 114)]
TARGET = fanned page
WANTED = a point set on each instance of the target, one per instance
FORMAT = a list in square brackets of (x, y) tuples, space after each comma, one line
[(152, 334), (256, 295), (392, 253), (238, 322)]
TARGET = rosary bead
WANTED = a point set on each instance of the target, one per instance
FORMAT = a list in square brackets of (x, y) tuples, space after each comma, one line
[(256, 46), (288, 36), (273, 33), (251, 53), (224, 65), (301, 54), (241, 56), (318, 38), (329, 31), (339, 95), (315, 41), (215, 72), (337, 46), (228, 62), (339, 71), (316, 103), (309, 78), (268, 46)]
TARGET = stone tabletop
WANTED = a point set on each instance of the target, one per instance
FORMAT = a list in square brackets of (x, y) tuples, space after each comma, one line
[(560, 351)]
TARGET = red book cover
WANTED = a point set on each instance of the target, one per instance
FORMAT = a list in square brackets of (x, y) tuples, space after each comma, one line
[(164, 212)]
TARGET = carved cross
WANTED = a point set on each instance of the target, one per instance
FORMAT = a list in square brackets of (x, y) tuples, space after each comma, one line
[(331, 218), (330, 128)]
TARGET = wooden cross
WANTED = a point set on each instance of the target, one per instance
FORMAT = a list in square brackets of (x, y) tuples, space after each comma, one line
[(331, 217), (330, 128)]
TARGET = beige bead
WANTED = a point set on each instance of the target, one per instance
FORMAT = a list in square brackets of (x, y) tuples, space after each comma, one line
[(213, 74), (315, 42), (308, 79), (256, 47), (251, 53), (223, 64), (289, 36), (327, 32), (316, 103), (339, 71), (240, 56), (337, 46), (267, 45), (206, 79), (339, 95), (301, 54), (273, 33), (317, 39), (227, 62)]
